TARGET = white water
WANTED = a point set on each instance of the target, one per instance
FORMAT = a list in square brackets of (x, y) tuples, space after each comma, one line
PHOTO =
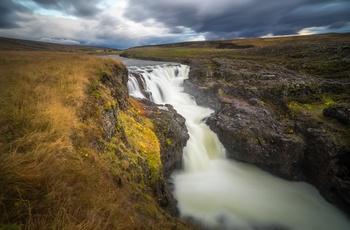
[(225, 194)]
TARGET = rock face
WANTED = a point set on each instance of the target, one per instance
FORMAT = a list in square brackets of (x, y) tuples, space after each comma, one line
[(272, 117), (171, 132), (341, 112), (169, 127), (252, 134)]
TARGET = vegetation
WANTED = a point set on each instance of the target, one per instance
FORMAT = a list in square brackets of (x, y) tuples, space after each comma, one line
[(20, 45), (228, 63), (57, 168), (324, 55)]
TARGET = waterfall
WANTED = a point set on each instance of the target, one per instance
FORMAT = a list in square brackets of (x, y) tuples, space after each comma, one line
[(224, 194)]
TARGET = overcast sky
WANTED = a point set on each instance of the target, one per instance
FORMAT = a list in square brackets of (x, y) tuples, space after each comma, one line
[(127, 23)]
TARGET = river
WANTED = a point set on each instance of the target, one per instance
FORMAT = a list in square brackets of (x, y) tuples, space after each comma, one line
[(220, 193)]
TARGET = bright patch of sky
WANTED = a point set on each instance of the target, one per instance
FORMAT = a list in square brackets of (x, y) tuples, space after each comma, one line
[(324, 29)]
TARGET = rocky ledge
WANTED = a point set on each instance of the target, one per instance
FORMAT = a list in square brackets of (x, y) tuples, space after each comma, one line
[(172, 134), (286, 122)]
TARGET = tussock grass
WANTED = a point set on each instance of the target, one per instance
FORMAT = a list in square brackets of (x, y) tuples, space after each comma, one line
[(56, 171)]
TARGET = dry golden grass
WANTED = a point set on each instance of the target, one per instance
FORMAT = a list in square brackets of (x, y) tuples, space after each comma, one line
[(51, 175)]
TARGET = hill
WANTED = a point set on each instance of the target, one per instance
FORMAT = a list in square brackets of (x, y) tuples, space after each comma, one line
[(259, 42), (26, 45)]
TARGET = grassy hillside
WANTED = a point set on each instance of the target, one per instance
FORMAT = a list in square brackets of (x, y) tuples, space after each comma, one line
[(25, 45), (260, 42), (58, 167), (324, 54)]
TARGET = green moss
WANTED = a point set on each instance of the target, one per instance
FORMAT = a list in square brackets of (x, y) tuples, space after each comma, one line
[(14, 226), (139, 132), (168, 141), (328, 101), (94, 90), (109, 105), (290, 131)]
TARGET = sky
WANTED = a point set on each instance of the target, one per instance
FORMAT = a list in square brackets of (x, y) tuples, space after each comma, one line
[(129, 23)]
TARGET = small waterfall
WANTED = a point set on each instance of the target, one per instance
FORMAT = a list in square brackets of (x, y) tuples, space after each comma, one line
[(222, 193), (134, 88)]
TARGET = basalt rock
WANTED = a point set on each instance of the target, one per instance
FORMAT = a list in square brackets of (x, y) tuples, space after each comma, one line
[(340, 112), (269, 116), (172, 134), (252, 134)]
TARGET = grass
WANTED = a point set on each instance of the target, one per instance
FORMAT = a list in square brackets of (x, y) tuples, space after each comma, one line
[(260, 42), (324, 55), (57, 171), (11, 44)]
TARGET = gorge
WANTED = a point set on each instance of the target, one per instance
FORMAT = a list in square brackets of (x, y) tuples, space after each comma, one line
[(78, 152), (222, 193)]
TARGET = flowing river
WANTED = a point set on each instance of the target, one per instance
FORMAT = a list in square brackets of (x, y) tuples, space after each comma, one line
[(220, 193)]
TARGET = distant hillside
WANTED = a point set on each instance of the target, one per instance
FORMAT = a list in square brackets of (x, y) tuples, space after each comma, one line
[(323, 54), (26, 45), (258, 42)]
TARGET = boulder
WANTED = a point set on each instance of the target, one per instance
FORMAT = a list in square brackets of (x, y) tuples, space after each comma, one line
[(251, 134)]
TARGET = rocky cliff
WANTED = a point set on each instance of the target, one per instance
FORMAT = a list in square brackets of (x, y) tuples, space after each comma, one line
[(284, 121), (167, 125), (76, 152), (281, 103)]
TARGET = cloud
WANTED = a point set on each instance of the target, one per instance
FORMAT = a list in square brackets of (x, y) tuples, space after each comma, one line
[(9, 14), (60, 41), (79, 8), (110, 28), (325, 29), (237, 18), (127, 23)]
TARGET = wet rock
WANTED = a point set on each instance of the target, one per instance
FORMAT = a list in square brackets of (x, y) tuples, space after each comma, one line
[(204, 96), (340, 112), (251, 134), (255, 123), (171, 132), (326, 165)]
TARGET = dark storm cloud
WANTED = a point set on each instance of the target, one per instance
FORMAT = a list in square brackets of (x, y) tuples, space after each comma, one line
[(242, 18), (9, 14), (80, 8)]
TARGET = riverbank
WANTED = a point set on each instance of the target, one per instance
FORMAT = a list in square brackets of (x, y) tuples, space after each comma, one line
[(271, 101), (220, 193)]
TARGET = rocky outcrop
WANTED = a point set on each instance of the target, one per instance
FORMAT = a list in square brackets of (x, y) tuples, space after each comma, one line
[(171, 132), (340, 112), (172, 135), (169, 128), (272, 117), (252, 134)]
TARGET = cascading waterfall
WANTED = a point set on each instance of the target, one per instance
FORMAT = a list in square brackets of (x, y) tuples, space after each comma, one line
[(221, 193)]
